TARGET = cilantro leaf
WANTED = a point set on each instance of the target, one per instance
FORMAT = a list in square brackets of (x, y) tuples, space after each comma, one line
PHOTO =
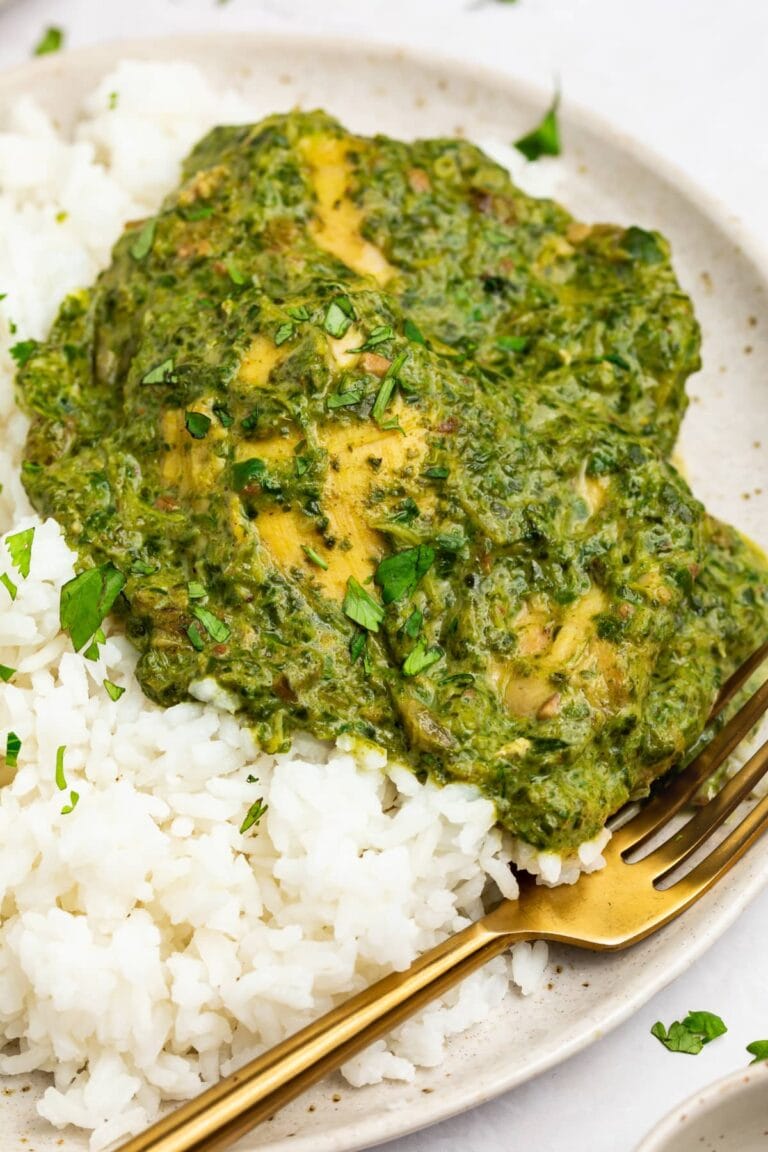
[(223, 415), (9, 585), (142, 245), (195, 637), (313, 557), (20, 550), (216, 629), (421, 658), (512, 343), (113, 690), (544, 140), (436, 473), (338, 317), (50, 41), (284, 333), (246, 472), (345, 399), (412, 332), (196, 590), (87, 599), (236, 276), (407, 511), (413, 624), (388, 384), (61, 780), (705, 1024), (398, 575), (6, 673), (24, 351), (254, 814), (357, 645), (298, 312), (197, 212), (361, 607), (158, 374), (376, 336), (758, 1049), (12, 749), (197, 424), (642, 245), (92, 651)]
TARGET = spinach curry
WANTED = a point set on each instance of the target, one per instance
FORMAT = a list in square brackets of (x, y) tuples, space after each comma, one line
[(379, 445)]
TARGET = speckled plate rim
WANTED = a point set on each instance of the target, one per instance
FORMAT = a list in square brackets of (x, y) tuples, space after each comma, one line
[(747, 1086), (749, 877)]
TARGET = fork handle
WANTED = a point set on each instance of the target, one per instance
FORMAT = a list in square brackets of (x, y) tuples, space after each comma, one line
[(225, 1112)]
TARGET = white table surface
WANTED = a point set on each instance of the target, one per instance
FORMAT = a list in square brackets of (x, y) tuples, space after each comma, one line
[(690, 79)]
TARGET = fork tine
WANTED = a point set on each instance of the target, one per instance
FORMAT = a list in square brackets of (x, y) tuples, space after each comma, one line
[(657, 813), (677, 849), (709, 871)]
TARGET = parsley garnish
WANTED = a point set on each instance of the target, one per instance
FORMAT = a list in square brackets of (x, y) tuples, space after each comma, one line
[(6, 673), (412, 626), (298, 312), (195, 637), (255, 813), (20, 550), (235, 275), (407, 512), (216, 629), (420, 659), (196, 590), (284, 333), (87, 599), (158, 374), (73, 799), (376, 336), (246, 471), (436, 473), (6, 581), (302, 465), (398, 575), (545, 139), (758, 1049), (61, 780), (50, 41), (197, 424), (92, 651), (197, 212), (142, 245), (12, 749), (345, 399), (690, 1035), (642, 245), (339, 317), (412, 332), (313, 557), (388, 384), (361, 607), (222, 414), (357, 645), (113, 690), (141, 568), (24, 351)]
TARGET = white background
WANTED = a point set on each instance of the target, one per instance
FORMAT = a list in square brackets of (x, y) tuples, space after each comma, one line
[(690, 79)]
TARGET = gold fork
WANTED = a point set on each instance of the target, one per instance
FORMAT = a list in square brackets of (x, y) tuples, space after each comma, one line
[(607, 910)]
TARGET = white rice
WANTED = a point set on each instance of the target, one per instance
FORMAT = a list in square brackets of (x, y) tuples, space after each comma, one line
[(146, 946)]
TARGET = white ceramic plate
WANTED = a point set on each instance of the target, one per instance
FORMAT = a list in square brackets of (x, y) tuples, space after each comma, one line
[(724, 444), (729, 1116)]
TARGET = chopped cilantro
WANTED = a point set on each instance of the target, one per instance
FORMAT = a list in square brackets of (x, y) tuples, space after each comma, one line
[(216, 629), (246, 471), (141, 568), (61, 780), (24, 351), (357, 645), (302, 465), (345, 399), (50, 41), (142, 245), (12, 749), (436, 473), (691, 1034), (73, 799), (642, 245), (254, 814), (222, 414), (759, 1050), (376, 336), (20, 550), (113, 690), (298, 312), (388, 384), (512, 343), (92, 651), (412, 332), (284, 333), (361, 607), (87, 599), (112, 100), (159, 374), (398, 575), (420, 659), (312, 556), (234, 273), (196, 590), (6, 673), (197, 212), (197, 424), (7, 583), (339, 316), (251, 779), (413, 624), (195, 637), (407, 511), (545, 139)]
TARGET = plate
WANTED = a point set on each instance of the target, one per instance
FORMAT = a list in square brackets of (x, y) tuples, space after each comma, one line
[(602, 175), (730, 1114)]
